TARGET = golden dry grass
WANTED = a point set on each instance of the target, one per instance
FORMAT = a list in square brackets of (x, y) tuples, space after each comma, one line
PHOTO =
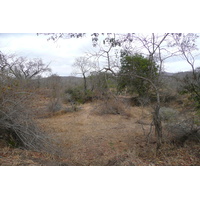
[(18, 157), (88, 138), (91, 139)]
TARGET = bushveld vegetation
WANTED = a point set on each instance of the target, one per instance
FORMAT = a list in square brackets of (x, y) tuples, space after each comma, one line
[(125, 112)]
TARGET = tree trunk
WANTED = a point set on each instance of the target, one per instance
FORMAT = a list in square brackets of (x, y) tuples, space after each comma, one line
[(157, 122), (158, 126), (156, 114), (85, 84)]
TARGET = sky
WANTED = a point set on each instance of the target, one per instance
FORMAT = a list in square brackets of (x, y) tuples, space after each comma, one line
[(62, 53)]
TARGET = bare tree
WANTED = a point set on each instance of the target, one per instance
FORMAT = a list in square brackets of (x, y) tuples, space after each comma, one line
[(3, 62), (155, 46), (108, 37), (17, 121), (186, 45), (56, 87), (106, 58), (23, 68), (106, 53), (83, 66)]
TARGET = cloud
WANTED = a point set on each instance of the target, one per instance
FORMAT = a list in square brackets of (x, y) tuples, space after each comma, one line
[(180, 66), (61, 54)]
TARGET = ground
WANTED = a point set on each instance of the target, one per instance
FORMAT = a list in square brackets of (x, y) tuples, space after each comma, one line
[(91, 139), (87, 138)]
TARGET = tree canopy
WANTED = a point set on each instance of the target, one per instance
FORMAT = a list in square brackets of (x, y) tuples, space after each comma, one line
[(133, 67)]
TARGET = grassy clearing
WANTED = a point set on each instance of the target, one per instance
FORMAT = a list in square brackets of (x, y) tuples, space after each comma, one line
[(91, 139), (88, 138)]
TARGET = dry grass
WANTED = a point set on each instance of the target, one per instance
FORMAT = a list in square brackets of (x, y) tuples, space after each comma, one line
[(18, 157), (87, 138), (90, 139), (113, 106)]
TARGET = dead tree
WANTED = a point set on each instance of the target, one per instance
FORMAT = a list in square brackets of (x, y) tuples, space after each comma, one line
[(186, 46), (83, 66), (21, 68)]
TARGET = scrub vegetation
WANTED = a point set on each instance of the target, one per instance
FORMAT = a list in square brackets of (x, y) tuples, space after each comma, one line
[(122, 109)]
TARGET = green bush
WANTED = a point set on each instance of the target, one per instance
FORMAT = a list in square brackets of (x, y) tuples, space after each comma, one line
[(191, 86), (77, 95), (133, 65)]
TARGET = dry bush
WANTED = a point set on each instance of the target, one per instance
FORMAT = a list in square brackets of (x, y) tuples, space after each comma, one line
[(113, 106), (17, 124), (168, 114), (183, 129), (54, 105), (129, 158), (139, 101), (168, 98)]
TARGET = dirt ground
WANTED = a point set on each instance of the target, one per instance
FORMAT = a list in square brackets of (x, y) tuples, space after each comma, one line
[(87, 138), (91, 139)]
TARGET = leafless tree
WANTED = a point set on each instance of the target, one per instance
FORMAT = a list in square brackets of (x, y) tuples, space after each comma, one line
[(17, 119), (105, 53), (83, 67), (187, 47), (106, 58), (3, 62), (23, 68), (56, 89), (155, 47)]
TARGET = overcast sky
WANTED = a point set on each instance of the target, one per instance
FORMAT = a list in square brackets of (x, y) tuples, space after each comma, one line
[(62, 53)]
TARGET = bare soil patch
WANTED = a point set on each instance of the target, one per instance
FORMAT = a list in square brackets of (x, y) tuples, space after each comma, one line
[(87, 138), (91, 139)]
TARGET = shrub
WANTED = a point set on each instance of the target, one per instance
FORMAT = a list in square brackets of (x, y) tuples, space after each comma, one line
[(77, 95), (136, 64), (191, 85), (168, 114), (112, 106), (17, 124), (54, 105), (183, 129)]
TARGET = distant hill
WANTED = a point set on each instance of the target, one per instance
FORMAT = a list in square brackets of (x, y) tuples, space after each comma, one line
[(171, 80), (174, 80), (177, 74), (71, 81), (167, 73)]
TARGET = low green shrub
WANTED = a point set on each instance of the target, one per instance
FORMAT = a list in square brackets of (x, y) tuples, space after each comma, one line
[(78, 95)]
